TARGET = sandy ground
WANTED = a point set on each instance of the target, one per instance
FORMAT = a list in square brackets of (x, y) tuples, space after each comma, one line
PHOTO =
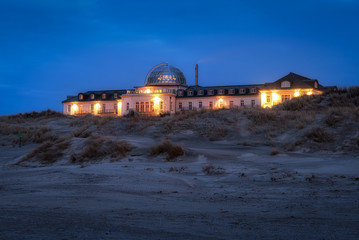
[(253, 196)]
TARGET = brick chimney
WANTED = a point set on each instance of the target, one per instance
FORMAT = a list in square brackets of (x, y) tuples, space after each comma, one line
[(196, 75)]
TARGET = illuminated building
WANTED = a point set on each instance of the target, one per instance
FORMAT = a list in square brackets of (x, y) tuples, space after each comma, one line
[(166, 92)]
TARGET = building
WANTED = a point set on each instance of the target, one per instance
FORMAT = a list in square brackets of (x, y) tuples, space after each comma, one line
[(166, 91)]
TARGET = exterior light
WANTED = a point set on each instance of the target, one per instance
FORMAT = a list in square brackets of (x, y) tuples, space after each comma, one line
[(275, 97), (309, 93), (148, 91), (75, 108), (296, 94), (263, 97), (97, 106)]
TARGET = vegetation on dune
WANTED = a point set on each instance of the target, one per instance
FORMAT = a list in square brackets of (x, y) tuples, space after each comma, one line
[(173, 150)]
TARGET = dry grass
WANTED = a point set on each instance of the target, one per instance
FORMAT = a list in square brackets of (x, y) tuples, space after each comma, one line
[(99, 147), (173, 150), (48, 152), (319, 134), (212, 170)]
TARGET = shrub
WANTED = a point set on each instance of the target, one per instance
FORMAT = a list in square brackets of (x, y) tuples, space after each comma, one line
[(211, 170), (319, 134), (168, 147)]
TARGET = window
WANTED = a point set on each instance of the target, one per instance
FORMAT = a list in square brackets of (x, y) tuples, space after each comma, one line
[(127, 106), (200, 105), (285, 84), (68, 108), (147, 109), (285, 98), (137, 106), (315, 84), (103, 108), (152, 109), (210, 105), (92, 108), (242, 91), (190, 92), (231, 105), (200, 92), (115, 95), (210, 91), (180, 105), (190, 105), (221, 91), (268, 99), (92, 96), (253, 103), (161, 105), (103, 95), (142, 107), (242, 103), (81, 97), (180, 93), (232, 91), (253, 90)]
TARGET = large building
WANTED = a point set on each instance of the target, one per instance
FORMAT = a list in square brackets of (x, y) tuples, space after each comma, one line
[(166, 91)]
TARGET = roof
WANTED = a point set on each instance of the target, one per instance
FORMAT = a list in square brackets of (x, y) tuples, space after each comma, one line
[(110, 96), (296, 80)]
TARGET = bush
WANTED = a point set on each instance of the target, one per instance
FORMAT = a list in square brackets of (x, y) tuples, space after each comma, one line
[(168, 147), (319, 134), (211, 170)]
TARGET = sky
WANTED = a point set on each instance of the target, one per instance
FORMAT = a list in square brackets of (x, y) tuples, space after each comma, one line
[(51, 49)]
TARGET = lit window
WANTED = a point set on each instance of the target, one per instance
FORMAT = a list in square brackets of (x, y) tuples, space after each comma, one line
[(253, 103), (221, 104), (242, 103), (285, 98), (92, 96), (152, 109), (190, 105), (103, 95), (142, 107), (285, 84), (147, 109), (268, 99), (81, 97), (137, 106), (315, 84), (200, 105)]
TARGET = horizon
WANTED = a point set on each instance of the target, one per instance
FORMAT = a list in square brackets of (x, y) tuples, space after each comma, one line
[(60, 48)]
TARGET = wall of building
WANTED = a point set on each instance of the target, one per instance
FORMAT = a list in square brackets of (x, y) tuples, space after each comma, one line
[(93, 107)]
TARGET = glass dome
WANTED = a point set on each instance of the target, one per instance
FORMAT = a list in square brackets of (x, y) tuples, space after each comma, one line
[(163, 74)]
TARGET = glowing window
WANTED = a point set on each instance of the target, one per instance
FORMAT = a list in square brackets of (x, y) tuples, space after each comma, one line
[(137, 106), (103, 95), (92, 96), (285, 98), (81, 97), (268, 99)]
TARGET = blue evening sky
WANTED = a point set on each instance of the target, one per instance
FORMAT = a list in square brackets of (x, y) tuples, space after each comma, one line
[(53, 48)]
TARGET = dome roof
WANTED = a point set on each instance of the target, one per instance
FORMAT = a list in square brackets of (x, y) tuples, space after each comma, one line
[(163, 74)]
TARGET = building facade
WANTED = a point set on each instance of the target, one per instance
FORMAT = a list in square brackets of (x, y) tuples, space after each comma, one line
[(166, 92)]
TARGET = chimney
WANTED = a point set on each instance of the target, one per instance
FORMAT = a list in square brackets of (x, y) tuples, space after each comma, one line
[(196, 75)]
